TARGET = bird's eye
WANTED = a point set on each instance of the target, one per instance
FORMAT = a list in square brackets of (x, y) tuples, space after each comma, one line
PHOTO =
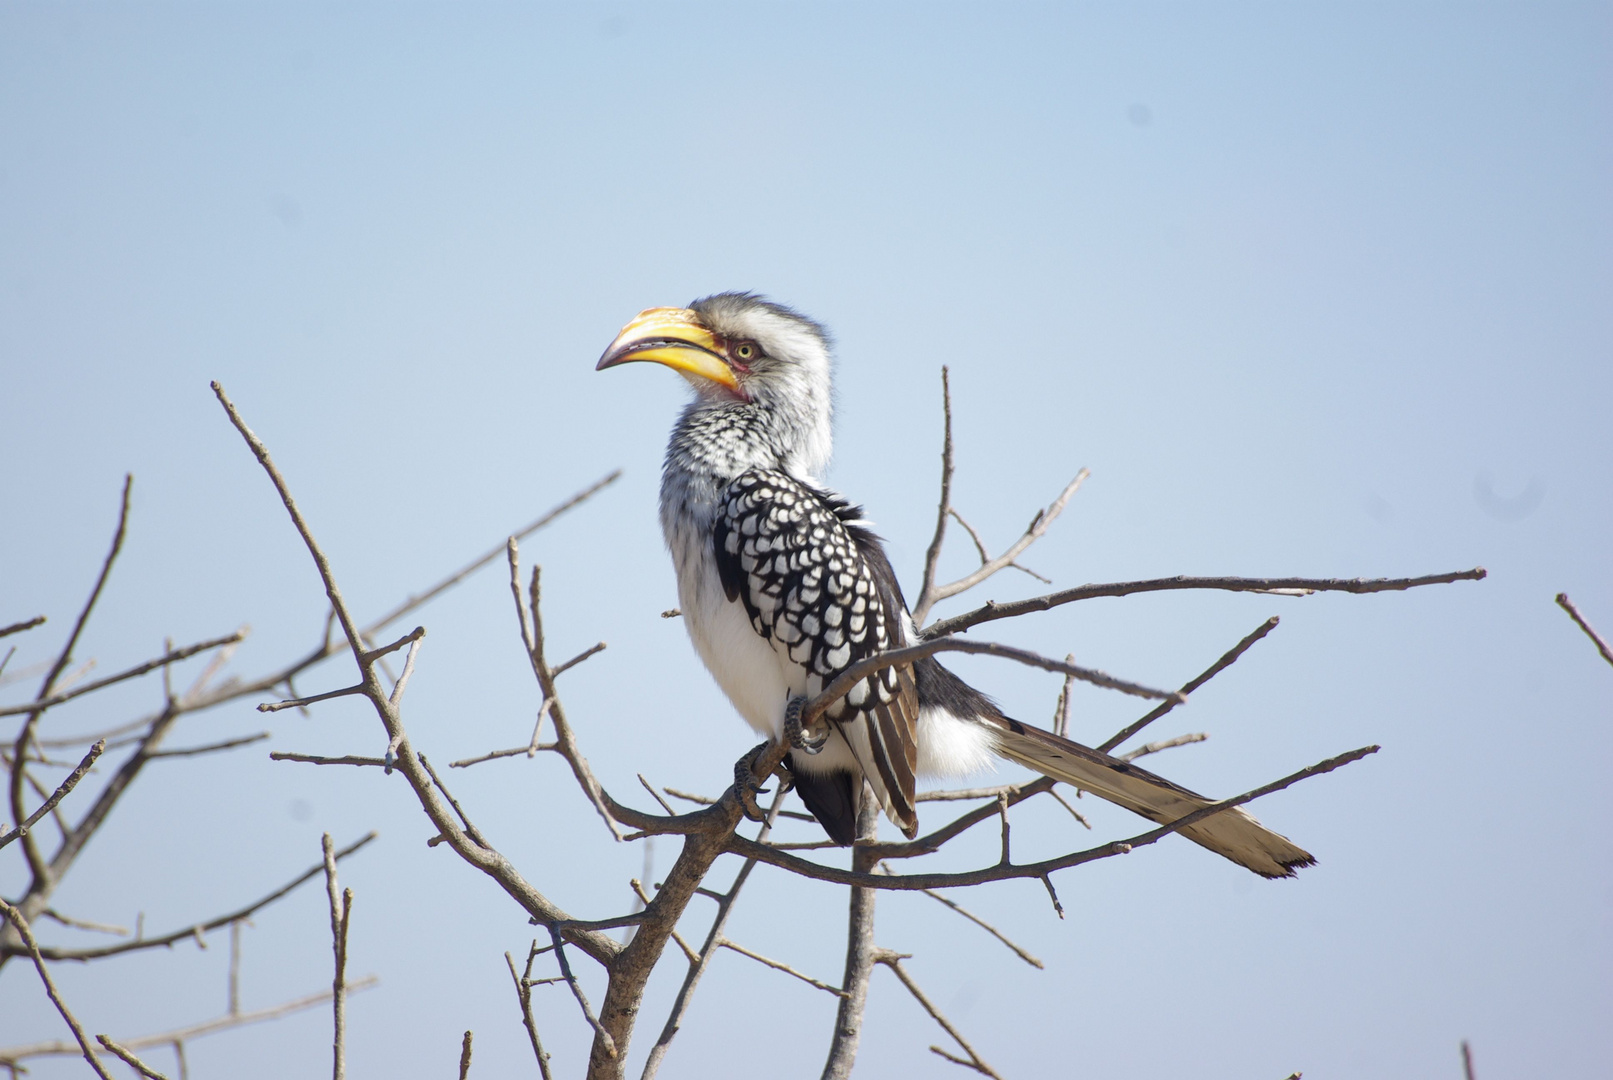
[(746, 350)]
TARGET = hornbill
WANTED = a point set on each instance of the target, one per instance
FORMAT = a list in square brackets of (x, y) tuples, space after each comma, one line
[(782, 586)]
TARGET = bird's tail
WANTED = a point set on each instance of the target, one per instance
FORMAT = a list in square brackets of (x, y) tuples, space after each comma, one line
[(1233, 833)]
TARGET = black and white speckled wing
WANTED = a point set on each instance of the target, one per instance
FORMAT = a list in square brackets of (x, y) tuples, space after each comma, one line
[(818, 587)]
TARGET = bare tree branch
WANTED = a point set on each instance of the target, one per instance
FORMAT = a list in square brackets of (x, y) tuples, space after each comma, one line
[(1163, 744), (417, 599), (932, 556), (1227, 660), (470, 830), (1033, 532), (523, 991), (490, 862), (600, 1032), (739, 845), (173, 656), (992, 610), (19, 755), (494, 755), (341, 909), (724, 943), (13, 1054), (893, 961), (60, 793), (84, 924), (861, 952), (1061, 712), (699, 962), (19, 627), (129, 1059), (1600, 642), (20, 925), (210, 748), (531, 620), (579, 658), (205, 927), (464, 1057), (978, 921)]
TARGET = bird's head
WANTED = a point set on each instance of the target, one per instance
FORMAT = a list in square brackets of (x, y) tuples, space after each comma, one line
[(732, 347)]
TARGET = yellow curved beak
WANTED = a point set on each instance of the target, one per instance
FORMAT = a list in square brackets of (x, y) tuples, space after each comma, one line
[(674, 337)]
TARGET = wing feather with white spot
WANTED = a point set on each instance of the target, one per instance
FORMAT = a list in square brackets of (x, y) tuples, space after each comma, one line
[(819, 589)]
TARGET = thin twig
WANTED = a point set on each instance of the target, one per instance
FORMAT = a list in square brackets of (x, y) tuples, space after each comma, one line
[(12, 1054), (1033, 532), (172, 656), (980, 545), (579, 658), (1467, 1061), (234, 1002), (84, 924), (932, 555), (396, 696), (130, 1059), (1163, 744), (56, 797), (387, 650), (482, 560), (523, 992), (494, 755), (14, 917), (1002, 811), (43, 876), (576, 991), (297, 703), (464, 1057), (470, 830), (724, 943), (1073, 811), (992, 610), (894, 962), (1227, 660), (1061, 714), (211, 748), (141, 942), (1053, 895), (656, 795), (978, 921), (961, 794), (340, 908), (1601, 643), (314, 759), (530, 616), (19, 627)]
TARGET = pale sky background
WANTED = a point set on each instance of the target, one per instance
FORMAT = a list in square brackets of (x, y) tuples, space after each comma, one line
[(1311, 290)]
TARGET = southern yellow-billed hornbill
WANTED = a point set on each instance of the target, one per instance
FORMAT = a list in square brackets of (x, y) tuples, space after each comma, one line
[(782, 587)]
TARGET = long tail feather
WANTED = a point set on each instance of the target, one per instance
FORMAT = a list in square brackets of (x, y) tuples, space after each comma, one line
[(1233, 833)]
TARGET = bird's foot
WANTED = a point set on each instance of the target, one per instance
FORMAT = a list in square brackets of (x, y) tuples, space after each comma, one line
[(802, 738), (747, 785)]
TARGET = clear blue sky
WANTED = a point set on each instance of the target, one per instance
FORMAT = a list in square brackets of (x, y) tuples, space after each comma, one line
[(1311, 290)]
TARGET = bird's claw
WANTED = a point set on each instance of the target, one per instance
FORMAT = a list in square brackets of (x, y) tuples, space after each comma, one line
[(802, 738), (747, 785)]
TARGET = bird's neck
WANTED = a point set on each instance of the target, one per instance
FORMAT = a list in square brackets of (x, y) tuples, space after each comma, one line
[(714, 442), (724, 439)]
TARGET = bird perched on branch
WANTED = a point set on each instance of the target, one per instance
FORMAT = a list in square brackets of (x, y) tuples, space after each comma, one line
[(782, 586)]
